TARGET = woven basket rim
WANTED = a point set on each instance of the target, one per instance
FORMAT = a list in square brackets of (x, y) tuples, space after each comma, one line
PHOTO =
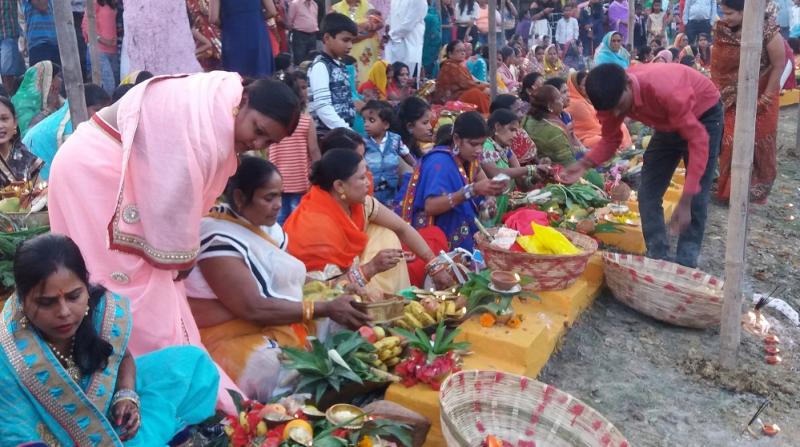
[(587, 245), (665, 276), (473, 376)]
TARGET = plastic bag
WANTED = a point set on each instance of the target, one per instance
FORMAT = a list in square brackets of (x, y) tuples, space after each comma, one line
[(547, 241)]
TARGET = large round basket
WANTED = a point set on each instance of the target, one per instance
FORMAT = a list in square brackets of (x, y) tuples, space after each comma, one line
[(548, 272), (519, 411), (665, 291)]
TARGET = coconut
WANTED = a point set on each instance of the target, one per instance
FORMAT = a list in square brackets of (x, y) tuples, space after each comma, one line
[(585, 226), (621, 192)]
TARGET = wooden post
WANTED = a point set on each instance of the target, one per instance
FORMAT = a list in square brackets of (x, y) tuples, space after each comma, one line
[(70, 62), (741, 165), (797, 132), (492, 48), (631, 22), (502, 23), (94, 56)]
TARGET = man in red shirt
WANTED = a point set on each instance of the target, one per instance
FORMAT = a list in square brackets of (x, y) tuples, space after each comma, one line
[(684, 108)]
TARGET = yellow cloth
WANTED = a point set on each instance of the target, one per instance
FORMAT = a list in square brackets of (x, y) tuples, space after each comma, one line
[(394, 279), (130, 78), (547, 240), (377, 76), (367, 51)]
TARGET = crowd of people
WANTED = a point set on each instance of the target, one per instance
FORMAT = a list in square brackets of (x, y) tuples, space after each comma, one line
[(195, 207)]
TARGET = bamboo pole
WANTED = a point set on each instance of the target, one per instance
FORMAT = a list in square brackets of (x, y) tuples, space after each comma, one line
[(741, 165), (631, 22), (94, 56), (502, 23), (797, 132), (70, 62), (492, 49)]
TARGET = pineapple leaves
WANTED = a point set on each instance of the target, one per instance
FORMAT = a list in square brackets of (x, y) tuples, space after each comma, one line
[(329, 365), (442, 343)]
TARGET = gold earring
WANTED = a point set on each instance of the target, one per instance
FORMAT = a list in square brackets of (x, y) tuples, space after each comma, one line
[(23, 322), (343, 196)]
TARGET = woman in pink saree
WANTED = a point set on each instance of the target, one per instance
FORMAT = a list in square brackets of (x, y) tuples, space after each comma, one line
[(131, 185)]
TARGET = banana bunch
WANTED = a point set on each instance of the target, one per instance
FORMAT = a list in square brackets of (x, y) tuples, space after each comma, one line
[(386, 355), (431, 311), (320, 291)]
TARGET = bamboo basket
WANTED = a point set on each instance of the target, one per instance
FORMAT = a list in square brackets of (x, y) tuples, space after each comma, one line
[(548, 272), (519, 411), (665, 291), (389, 309)]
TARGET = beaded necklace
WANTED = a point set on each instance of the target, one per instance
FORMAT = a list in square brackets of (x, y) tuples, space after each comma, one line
[(67, 361)]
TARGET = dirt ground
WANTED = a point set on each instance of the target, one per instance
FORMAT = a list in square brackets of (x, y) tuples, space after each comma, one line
[(661, 385)]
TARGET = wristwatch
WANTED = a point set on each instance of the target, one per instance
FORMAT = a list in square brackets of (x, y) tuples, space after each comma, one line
[(468, 191)]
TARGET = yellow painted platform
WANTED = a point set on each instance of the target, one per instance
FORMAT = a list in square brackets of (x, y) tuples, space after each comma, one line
[(789, 97), (527, 349), (631, 240), (524, 350)]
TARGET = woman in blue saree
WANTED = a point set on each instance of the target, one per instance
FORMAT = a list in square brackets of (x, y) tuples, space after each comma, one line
[(611, 51), (448, 186), (66, 374)]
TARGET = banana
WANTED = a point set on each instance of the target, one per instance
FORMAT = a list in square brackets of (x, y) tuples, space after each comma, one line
[(412, 321), (425, 319), (376, 363), (440, 311), (416, 307), (366, 356), (392, 361), (388, 342), (451, 308), (396, 351), (386, 354), (402, 324)]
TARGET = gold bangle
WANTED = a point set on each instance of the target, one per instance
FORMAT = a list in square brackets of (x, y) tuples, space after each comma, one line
[(308, 311)]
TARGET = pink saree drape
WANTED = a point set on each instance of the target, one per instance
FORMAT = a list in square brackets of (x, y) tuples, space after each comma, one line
[(133, 200)]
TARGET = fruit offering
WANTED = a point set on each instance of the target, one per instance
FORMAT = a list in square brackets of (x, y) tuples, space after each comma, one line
[(387, 352), (430, 311)]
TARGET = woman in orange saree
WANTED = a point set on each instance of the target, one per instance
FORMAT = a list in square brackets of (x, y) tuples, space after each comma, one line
[(725, 74), (131, 186), (455, 82), (586, 126), (338, 229)]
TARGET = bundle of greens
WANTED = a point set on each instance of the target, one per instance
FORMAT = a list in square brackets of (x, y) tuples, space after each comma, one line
[(583, 195), (8, 248)]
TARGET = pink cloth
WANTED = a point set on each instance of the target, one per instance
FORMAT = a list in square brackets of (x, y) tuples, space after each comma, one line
[(134, 200), (158, 38), (521, 219)]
